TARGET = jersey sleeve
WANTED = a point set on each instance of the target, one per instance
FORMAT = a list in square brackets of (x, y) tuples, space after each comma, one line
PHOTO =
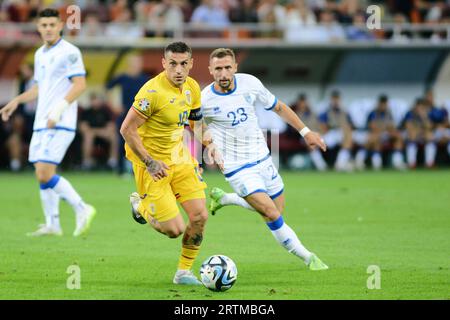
[(349, 120), (145, 102), (196, 95), (371, 117), (264, 98), (195, 113), (75, 65), (323, 118), (408, 117)]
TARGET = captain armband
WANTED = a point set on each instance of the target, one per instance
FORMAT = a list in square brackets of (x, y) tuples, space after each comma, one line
[(196, 114)]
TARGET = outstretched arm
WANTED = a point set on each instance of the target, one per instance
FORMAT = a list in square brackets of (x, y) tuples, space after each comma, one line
[(29, 95), (313, 139), (128, 130)]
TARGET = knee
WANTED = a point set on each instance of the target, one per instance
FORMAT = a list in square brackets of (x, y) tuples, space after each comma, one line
[(43, 176), (270, 212), (175, 231), (173, 234), (198, 220), (202, 217)]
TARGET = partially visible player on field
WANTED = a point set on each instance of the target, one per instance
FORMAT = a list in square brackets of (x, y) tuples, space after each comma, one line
[(60, 80), (164, 170), (382, 130), (229, 105)]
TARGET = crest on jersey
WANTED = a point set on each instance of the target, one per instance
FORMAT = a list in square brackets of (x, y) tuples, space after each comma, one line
[(248, 98), (144, 104), (73, 58), (188, 96)]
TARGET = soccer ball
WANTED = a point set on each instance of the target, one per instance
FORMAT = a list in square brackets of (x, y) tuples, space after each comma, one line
[(218, 273)]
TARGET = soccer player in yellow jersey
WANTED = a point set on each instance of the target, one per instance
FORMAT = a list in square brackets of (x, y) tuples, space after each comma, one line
[(164, 170)]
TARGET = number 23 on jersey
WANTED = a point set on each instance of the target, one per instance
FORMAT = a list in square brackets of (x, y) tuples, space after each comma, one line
[(237, 116)]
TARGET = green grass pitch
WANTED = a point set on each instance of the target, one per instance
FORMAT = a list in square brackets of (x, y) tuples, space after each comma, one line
[(397, 221)]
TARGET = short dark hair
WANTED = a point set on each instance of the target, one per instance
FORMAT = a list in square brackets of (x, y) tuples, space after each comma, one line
[(49, 13), (421, 101), (302, 97), (178, 47), (383, 98), (335, 94), (221, 53)]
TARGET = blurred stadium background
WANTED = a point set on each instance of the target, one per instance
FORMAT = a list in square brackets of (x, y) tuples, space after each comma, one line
[(312, 52), (303, 50)]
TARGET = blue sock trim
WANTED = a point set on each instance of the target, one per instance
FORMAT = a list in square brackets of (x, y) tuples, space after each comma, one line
[(277, 224), (50, 183)]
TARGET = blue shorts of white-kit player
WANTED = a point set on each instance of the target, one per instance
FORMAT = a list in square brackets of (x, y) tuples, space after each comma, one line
[(257, 176), (50, 145)]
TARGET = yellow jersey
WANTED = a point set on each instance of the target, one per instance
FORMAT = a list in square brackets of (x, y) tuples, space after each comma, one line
[(166, 109)]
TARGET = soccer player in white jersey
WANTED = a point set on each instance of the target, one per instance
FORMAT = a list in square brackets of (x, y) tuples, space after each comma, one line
[(228, 106), (60, 79)]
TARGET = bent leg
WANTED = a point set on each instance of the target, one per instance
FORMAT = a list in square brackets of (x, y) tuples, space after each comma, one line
[(285, 236), (49, 199)]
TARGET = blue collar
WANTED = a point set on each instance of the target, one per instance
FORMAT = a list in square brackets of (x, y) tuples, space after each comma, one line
[(54, 45), (224, 93)]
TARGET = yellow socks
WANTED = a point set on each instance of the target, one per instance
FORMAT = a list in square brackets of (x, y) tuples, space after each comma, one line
[(187, 257)]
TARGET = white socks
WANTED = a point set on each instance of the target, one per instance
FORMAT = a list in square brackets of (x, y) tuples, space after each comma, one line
[(234, 199), (50, 205), (317, 159), (430, 153), (360, 158), (58, 187), (397, 159), (377, 161), (65, 190), (411, 154), (287, 238), (343, 158)]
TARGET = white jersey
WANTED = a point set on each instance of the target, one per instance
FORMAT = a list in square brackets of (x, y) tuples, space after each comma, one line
[(232, 120), (53, 69)]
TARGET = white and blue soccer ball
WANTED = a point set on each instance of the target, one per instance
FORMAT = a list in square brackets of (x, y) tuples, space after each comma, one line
[(218, 273)]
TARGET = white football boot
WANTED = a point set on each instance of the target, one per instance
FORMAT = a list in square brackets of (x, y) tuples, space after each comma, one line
[(84, 220), (43, 230)]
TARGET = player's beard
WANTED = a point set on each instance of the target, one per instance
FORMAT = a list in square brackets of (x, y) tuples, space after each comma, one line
[(225, 84)]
